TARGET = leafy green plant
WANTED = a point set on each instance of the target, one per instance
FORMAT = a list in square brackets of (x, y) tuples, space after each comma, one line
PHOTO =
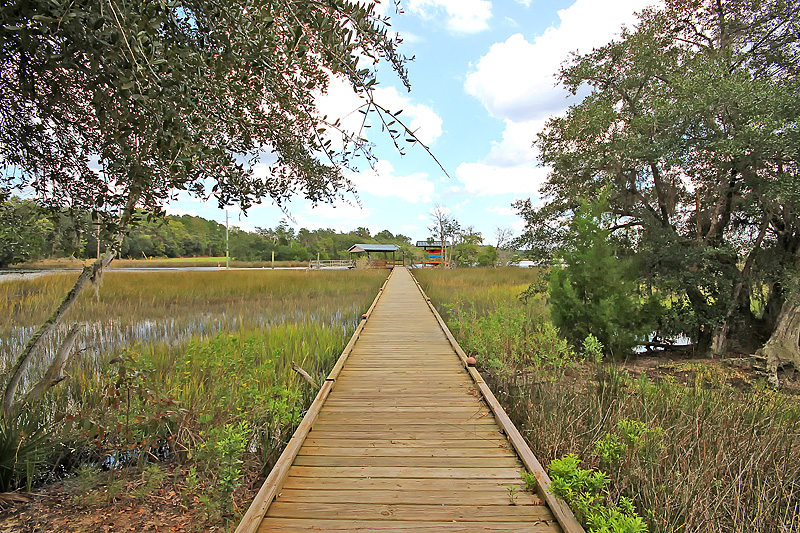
[(530, 481), (221, 454), (24, 445), (609, 449), (585, 491), (592, 349), (513, 493)]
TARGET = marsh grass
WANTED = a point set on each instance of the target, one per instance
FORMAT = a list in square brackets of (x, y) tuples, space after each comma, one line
[(717, 459), (188, 367)]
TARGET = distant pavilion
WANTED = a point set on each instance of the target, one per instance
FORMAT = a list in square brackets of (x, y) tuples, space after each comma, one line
[(369, 255)]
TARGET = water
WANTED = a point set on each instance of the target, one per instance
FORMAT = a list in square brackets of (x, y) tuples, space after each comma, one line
[(100, 341), (676, 342)]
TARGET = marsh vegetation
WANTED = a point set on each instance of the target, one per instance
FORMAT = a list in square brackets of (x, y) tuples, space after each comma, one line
[(694, 448), (187, 370)]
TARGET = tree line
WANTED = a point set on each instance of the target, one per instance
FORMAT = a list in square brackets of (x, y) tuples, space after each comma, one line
[(28, 233)]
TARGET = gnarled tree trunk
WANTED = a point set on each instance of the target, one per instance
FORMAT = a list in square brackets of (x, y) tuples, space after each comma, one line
[(783, 347)]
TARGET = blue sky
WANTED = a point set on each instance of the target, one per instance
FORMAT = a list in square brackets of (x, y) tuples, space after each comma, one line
[(481, 87)]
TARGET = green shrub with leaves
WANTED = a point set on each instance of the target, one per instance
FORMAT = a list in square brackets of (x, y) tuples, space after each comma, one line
[(596, 293), (585, 492)]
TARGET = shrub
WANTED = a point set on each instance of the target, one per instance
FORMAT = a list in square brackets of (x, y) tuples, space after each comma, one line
[(584, 490), (23, 447), (595, 293)]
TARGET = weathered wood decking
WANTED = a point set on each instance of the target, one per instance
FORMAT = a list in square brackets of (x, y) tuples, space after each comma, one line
[(403, 437)]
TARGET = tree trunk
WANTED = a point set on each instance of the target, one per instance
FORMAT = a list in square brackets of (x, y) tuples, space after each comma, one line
[(55, 373), (720, 338), (90, 273), (783, 347)]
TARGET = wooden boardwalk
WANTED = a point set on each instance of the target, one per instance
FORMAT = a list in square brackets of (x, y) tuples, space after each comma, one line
[(404, 437)]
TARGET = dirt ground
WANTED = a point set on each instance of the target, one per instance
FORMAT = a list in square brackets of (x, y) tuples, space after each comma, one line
[(736, 370), (61, 508)]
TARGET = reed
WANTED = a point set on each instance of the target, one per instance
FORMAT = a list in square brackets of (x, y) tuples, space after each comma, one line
[(715, 458)]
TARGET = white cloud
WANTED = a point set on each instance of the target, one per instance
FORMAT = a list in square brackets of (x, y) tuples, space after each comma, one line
[(515, 79), (410, 38), (463, 16), (179, 212), (341, 102), (483, 179), (516, 147), (516, 82), (503, 210), (337, 211), (518, 225), (341, 216), (384, 182)]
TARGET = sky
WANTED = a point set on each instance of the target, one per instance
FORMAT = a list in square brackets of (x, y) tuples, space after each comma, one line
[(482, 86)]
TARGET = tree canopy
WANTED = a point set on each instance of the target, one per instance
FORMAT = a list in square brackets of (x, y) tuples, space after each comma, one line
[(116, 107), (109, 106), (690, 130)]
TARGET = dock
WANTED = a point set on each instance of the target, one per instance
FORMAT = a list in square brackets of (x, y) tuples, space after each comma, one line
[(405, 436)]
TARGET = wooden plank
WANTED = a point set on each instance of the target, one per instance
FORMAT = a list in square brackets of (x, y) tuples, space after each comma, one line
[(415, 512), (409, 473), (508, 461), (406, 451), (354, 421), (405, 497), (338, 404), (468, 487), (296, 525), (492, 435), (316, 440)]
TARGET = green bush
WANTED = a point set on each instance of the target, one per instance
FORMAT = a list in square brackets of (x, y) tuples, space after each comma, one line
[(596, 293), (513, 335), (585, 492)]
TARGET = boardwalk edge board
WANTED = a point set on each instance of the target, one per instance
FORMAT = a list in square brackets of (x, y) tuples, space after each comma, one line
[(559, 508), (277, 476)]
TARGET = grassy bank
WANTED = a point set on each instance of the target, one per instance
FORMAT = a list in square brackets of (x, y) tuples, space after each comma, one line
[(696, 456), (186, 369)]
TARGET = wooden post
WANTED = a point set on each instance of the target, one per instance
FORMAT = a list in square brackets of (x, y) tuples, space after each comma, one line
[(273, 260)]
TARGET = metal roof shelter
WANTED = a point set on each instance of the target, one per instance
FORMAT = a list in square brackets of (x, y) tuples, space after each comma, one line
[(431, 244), (372, 262), (358, 248)]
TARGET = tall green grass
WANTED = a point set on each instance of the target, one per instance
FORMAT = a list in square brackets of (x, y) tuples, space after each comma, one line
[(716, 459), (194, 367)]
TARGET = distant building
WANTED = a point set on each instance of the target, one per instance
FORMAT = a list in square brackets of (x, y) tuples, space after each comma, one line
[(433, 252), (369, 255)]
